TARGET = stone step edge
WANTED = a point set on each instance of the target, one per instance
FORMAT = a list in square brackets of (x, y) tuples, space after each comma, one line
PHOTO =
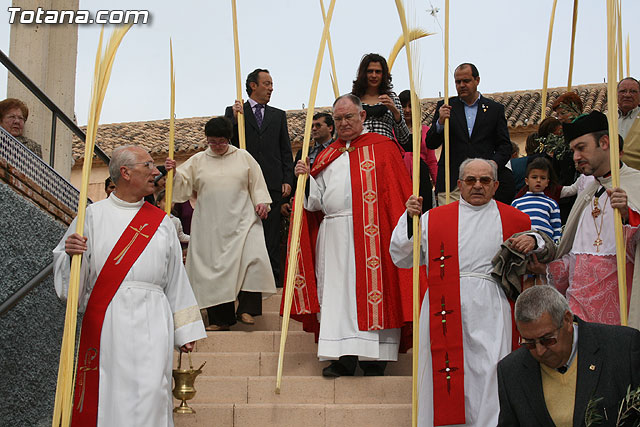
[(295, 405), (293, 377)]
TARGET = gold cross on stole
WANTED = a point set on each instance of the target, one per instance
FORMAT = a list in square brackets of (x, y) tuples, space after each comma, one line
[(121, 255)]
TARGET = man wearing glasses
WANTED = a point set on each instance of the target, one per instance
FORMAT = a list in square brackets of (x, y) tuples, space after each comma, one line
[(629, 120), (136, 298), (357, 187), (465, 321), (322, 129), (564, 364)]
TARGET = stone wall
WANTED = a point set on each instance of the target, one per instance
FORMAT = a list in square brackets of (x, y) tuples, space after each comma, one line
[(31, 332)]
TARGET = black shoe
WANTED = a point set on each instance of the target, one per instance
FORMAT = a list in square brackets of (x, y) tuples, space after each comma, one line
[(373, 368), (373, 372), (336, 369)]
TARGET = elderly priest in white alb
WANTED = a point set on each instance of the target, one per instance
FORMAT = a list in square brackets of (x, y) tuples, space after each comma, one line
[(137, 302), (465, 321)]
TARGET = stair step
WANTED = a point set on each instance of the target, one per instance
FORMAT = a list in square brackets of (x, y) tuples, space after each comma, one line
[(269, 321), (205, 415), (272, 304), (288, 415), (266, 364), (301, 364), (299, 390), (256, 341)]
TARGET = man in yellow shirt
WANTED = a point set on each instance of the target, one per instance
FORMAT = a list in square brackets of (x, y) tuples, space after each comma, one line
[(563, 363)]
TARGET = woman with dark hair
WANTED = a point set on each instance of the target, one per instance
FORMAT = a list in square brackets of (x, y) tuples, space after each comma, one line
[(384, 111), (227, 256)]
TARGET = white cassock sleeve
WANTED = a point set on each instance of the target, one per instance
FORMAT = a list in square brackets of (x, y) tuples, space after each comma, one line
[(258, 190), (62, 267), (313, 202), (184, 181), (401, 248), (187, 321)]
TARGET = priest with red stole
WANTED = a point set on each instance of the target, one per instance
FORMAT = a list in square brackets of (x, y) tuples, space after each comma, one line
[(465, 320), (346, 278), (137, 302)]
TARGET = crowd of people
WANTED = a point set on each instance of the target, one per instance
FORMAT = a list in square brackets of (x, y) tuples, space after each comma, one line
[(520, 311)]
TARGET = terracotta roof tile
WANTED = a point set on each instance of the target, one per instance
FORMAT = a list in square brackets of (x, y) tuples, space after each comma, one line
[(522, 108)]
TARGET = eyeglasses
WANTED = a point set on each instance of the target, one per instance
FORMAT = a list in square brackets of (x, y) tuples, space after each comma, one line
[(16, 118), (347, 117), (484, 180), (221, 141), (148, 165), (544, 341)]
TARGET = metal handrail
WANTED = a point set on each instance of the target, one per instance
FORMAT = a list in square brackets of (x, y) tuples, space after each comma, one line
[(55, 110), (13, 299), (57, 113)]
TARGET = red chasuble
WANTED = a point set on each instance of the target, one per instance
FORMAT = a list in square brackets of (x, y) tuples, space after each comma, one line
[(124, 254), (380, 186), (445, 326)]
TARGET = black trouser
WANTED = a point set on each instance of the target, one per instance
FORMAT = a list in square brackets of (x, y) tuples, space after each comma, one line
[(350, 363), (225, 314), (271, 227)]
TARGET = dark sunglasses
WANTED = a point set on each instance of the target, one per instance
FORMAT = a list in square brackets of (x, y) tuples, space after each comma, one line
[(484, 180), (544, 341)]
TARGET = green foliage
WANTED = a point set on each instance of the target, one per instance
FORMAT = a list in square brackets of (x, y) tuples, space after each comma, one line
[(628, 413), (591, 415), (553, 145)]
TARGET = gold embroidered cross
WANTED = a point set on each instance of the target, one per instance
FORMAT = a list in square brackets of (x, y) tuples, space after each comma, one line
[(89, 356), (133, 239)]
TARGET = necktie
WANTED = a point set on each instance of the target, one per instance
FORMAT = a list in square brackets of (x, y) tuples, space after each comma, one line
[(258, 113)]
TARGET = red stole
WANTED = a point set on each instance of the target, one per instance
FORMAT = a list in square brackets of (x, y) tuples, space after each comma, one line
[(380, 186), (445, 325), (126, 251)]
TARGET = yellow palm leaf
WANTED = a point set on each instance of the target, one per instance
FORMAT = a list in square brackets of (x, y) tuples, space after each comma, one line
[(414, 34)]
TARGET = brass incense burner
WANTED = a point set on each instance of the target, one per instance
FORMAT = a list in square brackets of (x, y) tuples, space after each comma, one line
[(184, 389)]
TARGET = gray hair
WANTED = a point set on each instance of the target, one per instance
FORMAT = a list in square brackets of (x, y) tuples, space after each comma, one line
[(537, 300), (464, 164), (121, 156), (351, 97)]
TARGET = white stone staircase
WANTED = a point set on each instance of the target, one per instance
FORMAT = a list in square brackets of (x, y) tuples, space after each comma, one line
[(237, 385)]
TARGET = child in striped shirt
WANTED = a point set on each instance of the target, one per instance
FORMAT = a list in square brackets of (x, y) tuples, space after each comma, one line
[(543, 210)]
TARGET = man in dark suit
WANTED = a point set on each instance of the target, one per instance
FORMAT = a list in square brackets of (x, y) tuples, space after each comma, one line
[(477, 128), (322, 129), (267, 139), (563, 363)]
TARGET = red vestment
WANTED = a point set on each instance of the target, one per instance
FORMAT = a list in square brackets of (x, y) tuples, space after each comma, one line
[(446, 332), (124, 254), (380, 186)]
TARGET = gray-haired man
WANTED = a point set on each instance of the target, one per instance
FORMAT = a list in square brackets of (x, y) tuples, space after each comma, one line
[(563, 363)]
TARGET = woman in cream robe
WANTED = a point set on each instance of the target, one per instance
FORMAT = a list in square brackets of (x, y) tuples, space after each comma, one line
[(227, 256)]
